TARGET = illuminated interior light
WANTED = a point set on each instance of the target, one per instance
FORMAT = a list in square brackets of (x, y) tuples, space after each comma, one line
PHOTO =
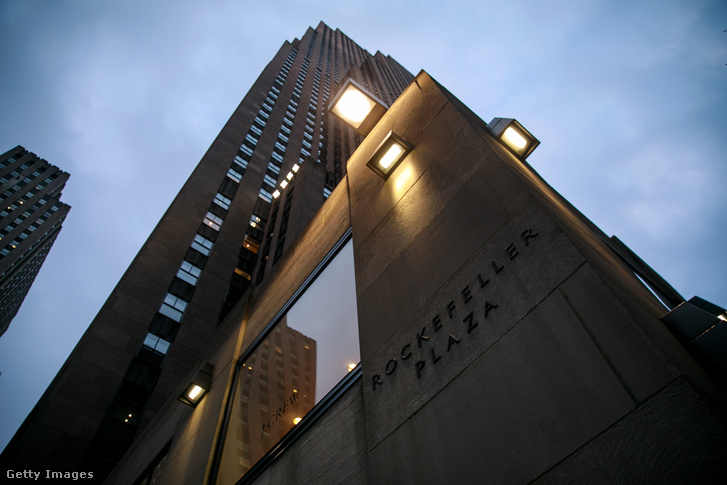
[(198, 387), (723, 317), (296, 167), (289, 176), (296, 420), (284, 183), (276, 194), (194, 392), (351, 366), (359, 108), (514, 138), (354, 105), (391, 156)]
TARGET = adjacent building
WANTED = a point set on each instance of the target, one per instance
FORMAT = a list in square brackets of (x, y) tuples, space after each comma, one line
[(403, 302), (31, 216)]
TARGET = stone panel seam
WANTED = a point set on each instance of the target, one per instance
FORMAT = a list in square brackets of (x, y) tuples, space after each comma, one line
[(614, 425), (456, 376), (597, 344)]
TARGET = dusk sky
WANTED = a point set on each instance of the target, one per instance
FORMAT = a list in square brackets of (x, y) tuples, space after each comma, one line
[(628, 99)]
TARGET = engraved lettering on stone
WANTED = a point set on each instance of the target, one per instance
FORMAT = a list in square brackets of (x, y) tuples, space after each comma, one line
[(470, 321), (527, 234), (450, 309), (511, 251), (419, 366), (405, 354), (389, 367), (421, 337), (466, 294), (436, 322), (489, 306)]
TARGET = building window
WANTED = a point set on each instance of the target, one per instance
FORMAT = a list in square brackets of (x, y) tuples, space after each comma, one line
[(173, 307), (213, 221), (288, 376), (234, 175), (156, 343), (241, 162), (189, 273), (270, 181), (251, 244), (222, 201), (273, 168), (202, 244), (265, 195)]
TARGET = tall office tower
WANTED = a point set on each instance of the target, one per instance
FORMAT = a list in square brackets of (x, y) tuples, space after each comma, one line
[(31, 217), (268, 171)]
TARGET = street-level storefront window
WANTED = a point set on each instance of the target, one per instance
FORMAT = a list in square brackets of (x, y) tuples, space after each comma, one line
[(307, 352)]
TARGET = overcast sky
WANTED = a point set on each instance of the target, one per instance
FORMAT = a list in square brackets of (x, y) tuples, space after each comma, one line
[(628, 99)]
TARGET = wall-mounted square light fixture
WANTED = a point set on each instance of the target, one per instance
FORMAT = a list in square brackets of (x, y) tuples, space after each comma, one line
[(357, 107), (512, 134), (199, 386), (389, 154)]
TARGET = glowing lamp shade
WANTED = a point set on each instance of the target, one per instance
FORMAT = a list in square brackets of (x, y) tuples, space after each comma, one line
[(354, 105), (199, 386), (389, 155), (514, 136), (357, 107)]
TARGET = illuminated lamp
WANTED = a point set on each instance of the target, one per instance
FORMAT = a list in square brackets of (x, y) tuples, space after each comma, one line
[(512, 134), (357, 107), (199, 386), (389, 155)]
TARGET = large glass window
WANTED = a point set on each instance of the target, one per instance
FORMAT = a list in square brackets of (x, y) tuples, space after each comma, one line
[(302, 357)]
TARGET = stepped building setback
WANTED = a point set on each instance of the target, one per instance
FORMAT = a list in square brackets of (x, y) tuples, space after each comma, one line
[(400, 299)]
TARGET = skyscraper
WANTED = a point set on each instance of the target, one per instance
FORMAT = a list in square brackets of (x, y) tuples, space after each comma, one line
[(31, 216), (263, 178)]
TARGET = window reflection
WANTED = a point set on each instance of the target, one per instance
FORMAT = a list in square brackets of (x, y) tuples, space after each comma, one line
[(308, 351)]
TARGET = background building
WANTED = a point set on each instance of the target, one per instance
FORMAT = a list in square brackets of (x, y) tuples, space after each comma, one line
[(223, 232), (31, 216)]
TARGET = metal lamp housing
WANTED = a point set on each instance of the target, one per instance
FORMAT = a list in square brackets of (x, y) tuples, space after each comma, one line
[(199, 387), (389, 155), (514, 136)]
